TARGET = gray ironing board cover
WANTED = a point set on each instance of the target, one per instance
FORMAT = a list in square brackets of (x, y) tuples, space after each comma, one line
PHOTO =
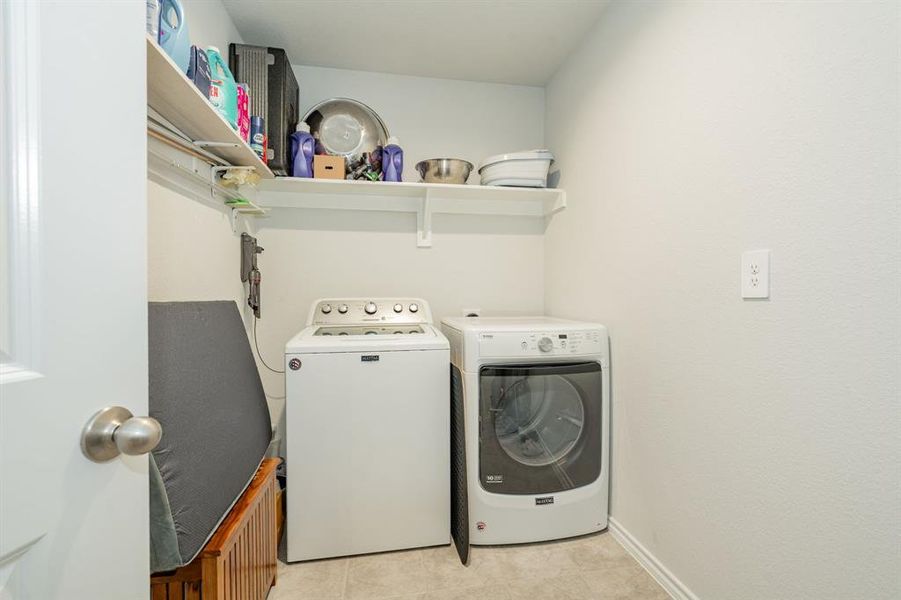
[(206, 393)]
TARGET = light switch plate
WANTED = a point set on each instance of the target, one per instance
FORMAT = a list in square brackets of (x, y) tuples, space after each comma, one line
[(755, 274)]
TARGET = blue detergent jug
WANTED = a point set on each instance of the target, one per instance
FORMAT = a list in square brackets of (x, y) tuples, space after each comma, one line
[(303, 146), (223, 89), (392, 161), (174, 38)]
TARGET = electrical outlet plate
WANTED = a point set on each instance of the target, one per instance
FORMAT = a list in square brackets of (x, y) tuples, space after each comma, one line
[(755, 274)]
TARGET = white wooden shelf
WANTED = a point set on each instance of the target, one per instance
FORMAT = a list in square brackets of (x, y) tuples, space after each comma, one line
[(424, 199), (175, 98)]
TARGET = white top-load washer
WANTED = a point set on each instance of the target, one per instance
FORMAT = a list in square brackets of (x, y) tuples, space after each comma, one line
[(367, 428), (530, 405)]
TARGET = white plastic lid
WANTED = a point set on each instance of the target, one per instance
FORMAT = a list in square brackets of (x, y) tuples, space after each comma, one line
[(540, 154), (393, 141), (303, 126), (213, 49)]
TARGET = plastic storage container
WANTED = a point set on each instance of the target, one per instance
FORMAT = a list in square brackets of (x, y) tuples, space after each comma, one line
[(274, 94), (518, 169), (223, 89), (392, 161), (174, 38)]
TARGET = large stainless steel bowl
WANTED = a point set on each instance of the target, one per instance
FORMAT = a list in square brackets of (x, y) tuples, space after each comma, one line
[(444, 170), (346, 127)]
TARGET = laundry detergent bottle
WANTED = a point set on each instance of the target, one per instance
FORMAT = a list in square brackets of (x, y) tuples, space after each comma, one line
[(392, 161), (303, 146), (223, 89), (173, 32)]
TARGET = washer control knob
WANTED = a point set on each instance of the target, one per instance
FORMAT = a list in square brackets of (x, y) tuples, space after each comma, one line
[(545, 344), (398, 308), (414, 308), (326, 309), (371, 308), (342, 309)]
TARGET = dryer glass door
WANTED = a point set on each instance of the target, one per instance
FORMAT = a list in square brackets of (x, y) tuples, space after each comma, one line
[(540, 427)]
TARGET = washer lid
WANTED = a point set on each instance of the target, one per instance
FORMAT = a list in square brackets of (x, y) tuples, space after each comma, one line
[(312, 340), (523, 155), (347, 331)]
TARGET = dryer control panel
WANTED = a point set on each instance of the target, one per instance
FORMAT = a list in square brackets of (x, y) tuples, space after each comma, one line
[(509, 344)]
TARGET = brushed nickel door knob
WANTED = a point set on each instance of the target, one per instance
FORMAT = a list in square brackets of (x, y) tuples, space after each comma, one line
[(114, 430)]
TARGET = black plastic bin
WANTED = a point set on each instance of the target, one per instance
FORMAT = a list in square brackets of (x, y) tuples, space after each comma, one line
[(274, 95)]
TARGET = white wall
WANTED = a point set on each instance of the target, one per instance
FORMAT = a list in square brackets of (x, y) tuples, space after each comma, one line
[(496, 264), (192, 252), (436, 118), (210, 25), (756, 446)]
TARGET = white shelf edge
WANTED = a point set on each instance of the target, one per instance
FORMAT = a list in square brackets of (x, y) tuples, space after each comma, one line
[(424, 199), (294, 185)]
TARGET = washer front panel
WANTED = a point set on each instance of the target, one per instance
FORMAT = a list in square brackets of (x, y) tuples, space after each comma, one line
[(368, 452)]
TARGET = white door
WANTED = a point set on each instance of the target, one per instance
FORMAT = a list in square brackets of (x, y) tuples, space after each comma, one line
[(73, 296)]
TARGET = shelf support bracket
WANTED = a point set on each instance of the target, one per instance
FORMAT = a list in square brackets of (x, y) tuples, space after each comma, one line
[(424, 222), (208, 144), (559, 203)]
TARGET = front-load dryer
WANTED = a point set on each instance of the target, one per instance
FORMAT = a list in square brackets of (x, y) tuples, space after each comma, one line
[(530, 429)]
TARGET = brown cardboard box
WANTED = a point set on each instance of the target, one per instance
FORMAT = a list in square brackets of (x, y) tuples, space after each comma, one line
[(328, 167)]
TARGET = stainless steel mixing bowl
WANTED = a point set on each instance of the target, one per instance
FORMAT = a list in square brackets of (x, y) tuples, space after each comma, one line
[(444, 170), (346, 127)]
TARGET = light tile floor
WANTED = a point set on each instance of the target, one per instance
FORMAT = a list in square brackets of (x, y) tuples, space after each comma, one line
[(592, 567)]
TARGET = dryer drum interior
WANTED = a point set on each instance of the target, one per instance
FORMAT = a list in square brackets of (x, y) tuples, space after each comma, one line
[(540, 427)]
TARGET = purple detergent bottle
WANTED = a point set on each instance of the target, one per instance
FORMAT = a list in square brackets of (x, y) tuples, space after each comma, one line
[(392, 161), (303, 146)]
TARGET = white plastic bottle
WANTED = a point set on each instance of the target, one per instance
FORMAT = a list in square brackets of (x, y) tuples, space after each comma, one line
[(153, 19)]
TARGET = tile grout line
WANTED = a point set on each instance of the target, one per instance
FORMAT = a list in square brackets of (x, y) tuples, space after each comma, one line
[(346, 577)]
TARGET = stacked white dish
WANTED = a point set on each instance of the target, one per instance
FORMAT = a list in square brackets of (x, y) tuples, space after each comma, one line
[(520, 169)]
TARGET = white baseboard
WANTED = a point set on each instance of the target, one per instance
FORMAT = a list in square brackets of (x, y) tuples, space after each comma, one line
[(664, 576)]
